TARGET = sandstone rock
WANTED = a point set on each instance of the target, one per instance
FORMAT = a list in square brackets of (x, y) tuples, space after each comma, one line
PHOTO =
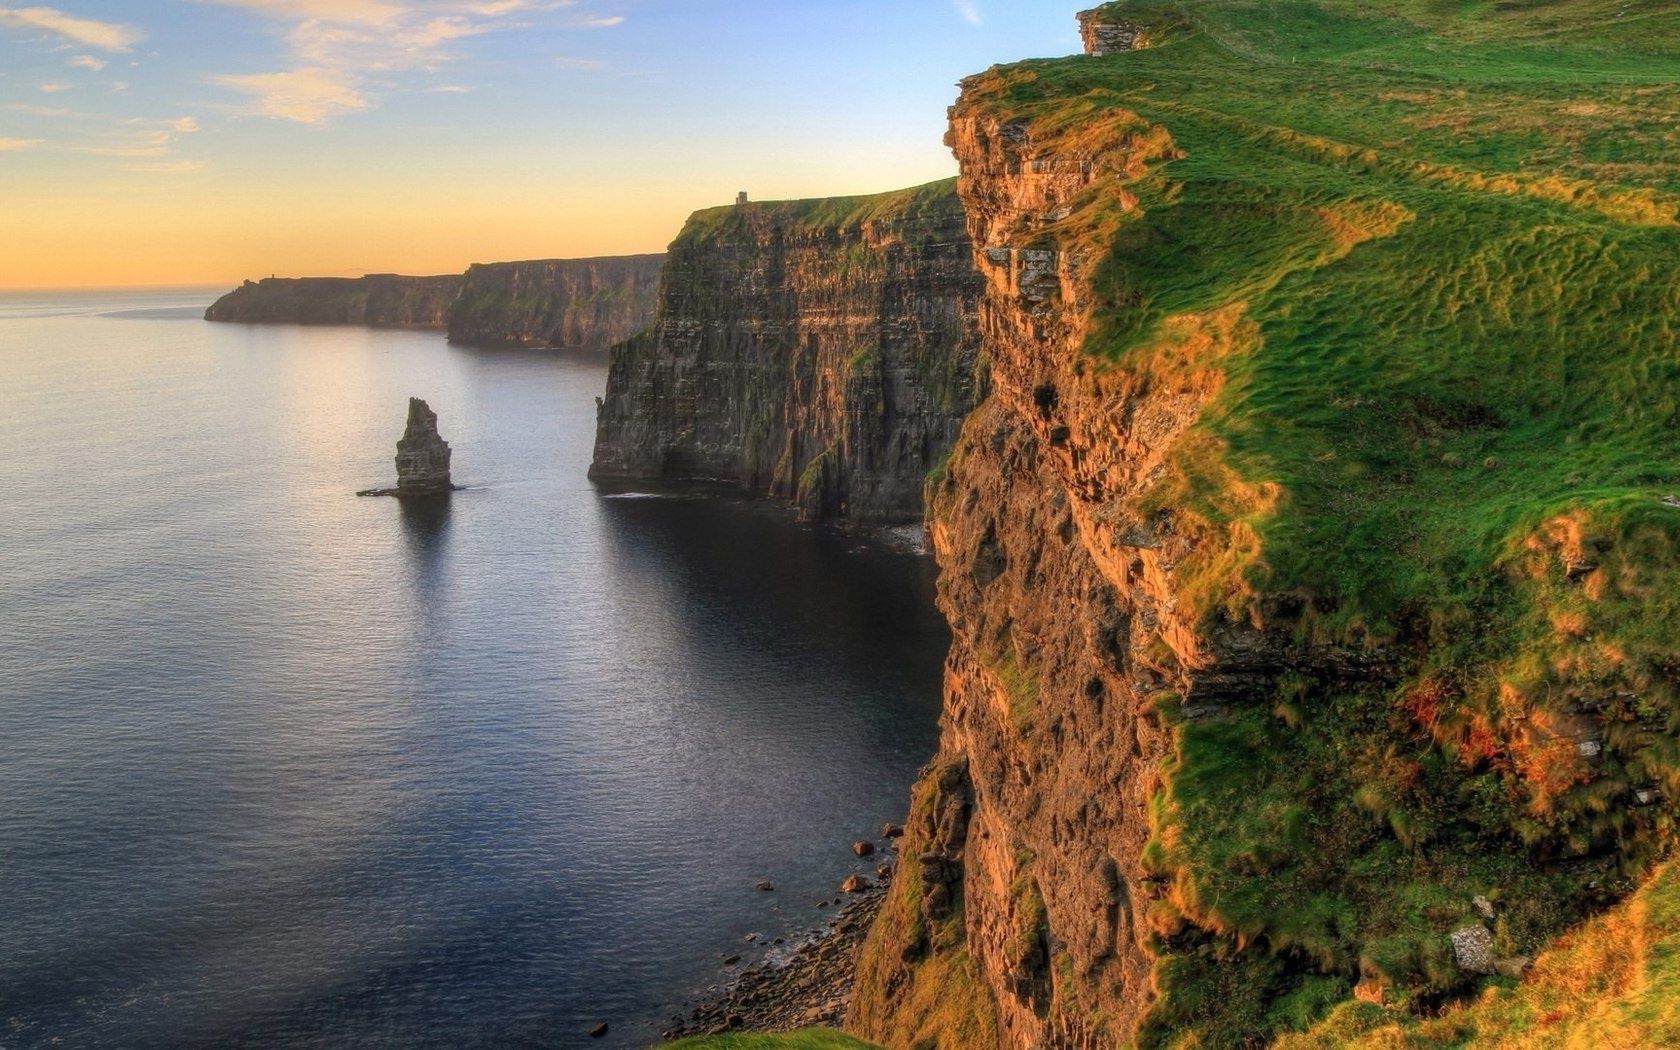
[(598, 1031), (863, 848), (422, 455), (1483, 906), (892, 831), (854, 884), (765, 886), (1473, 949)]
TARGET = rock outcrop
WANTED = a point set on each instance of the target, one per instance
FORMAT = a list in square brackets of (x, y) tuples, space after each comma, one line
[(570, 304), (1106, 32), (822, 352), (375, 301), (422, 454)]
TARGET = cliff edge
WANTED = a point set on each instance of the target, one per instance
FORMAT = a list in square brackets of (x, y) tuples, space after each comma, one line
[(561, 304), (569, 304), (822, 351), (375, 301), (1313, 559)]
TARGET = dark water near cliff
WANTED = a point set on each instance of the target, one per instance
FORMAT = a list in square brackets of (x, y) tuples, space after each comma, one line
[(281, 767)]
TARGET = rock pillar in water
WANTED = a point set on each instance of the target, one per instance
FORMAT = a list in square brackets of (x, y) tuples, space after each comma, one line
[(422, 455)]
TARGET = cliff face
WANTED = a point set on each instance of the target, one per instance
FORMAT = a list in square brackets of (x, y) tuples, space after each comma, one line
[(583, 304), (1303, 632), (1032, 896), (377, 300), (818, 351)]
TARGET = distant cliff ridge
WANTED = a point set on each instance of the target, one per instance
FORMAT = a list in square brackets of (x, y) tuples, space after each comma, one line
[(377, 300), (818, 351), (587, 304), (572, 303)]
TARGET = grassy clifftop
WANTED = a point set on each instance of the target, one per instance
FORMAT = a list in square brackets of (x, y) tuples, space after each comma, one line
[(826, 213), (1426, 251)]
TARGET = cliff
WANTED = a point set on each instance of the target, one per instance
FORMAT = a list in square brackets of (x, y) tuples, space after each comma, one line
[(1313, 559), (583, 304), (377, 300), (818, 351)]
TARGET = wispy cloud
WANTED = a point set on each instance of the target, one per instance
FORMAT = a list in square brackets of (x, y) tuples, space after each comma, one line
[(140, 137), (599, 23), (342, 51), (308, 96), (451, 89), (968, 12), (88, 62), (166, 167), (17, 145), (53, 89), (39, 111), (107, 36)]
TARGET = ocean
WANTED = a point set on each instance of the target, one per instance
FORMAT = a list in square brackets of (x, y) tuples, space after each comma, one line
[(282, 767)]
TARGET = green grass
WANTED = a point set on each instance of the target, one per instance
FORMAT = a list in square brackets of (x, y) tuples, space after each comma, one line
[(1613, 982), (822, 213), (1427, 249), (809, 1039)]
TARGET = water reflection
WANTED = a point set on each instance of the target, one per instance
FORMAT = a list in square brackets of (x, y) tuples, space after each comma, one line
[(426, 525)]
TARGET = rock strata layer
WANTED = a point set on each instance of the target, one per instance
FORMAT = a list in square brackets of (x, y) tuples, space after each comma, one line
[(822, 352)]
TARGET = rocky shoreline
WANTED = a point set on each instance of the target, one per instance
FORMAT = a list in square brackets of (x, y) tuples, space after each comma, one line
[(802, 982), (808, 984)]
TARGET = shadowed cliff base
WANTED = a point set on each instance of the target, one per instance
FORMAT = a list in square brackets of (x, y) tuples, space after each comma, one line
[(822, 352)]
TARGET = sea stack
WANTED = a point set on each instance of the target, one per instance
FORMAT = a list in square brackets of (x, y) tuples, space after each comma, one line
[(422, 454)]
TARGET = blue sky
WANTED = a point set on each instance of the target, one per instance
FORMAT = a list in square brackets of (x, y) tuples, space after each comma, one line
[(185, 140)]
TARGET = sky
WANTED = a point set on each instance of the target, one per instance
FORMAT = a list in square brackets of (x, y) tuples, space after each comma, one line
[(174, 142)]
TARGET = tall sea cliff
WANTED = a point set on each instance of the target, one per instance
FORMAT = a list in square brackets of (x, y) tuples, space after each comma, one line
[(823, 352), (1311, 561), (376, 301), (571, 304), (574, 304)]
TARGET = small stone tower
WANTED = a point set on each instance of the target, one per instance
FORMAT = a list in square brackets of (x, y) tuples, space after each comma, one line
[(422, 455), (1106, 33), (741, 199)]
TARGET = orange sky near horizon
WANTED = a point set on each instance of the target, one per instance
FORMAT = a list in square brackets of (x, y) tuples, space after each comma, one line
[(205, 142)]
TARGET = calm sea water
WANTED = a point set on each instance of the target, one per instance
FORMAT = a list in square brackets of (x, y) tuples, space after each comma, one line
[(284, 767)]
